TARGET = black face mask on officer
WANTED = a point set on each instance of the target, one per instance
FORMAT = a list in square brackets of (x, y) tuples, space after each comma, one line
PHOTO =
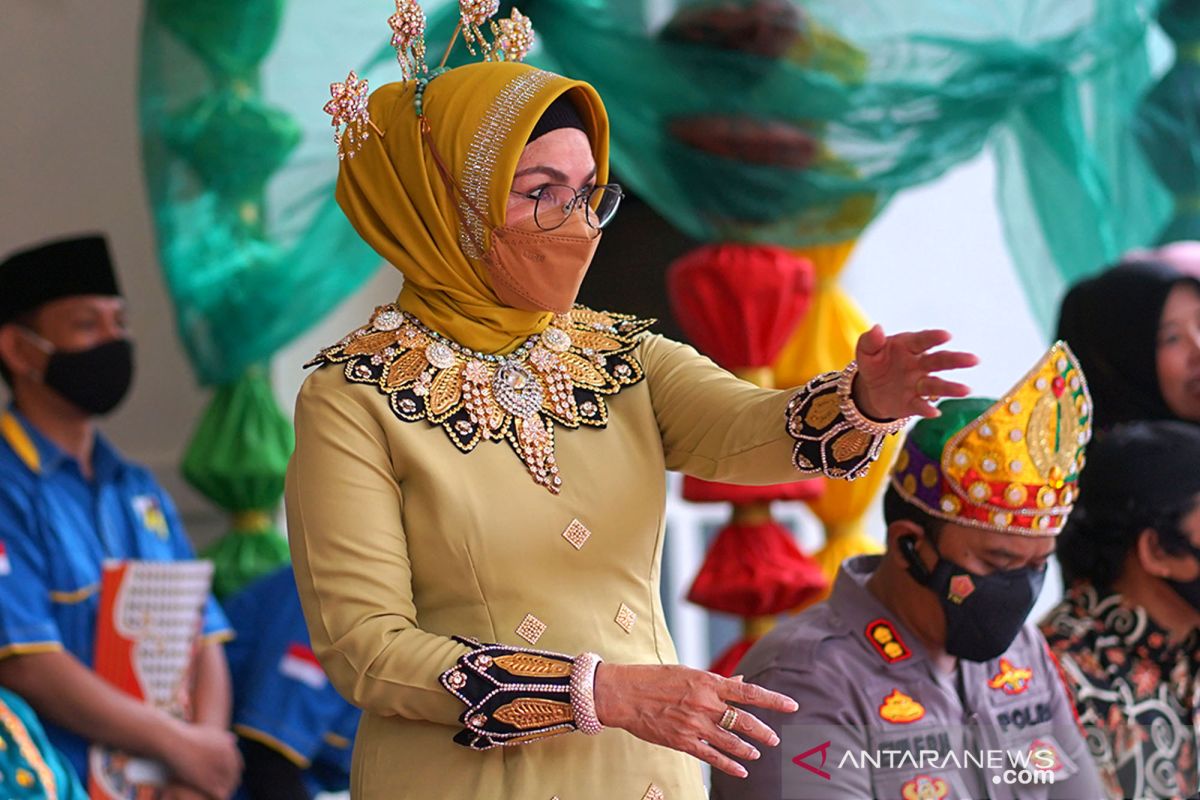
[(984, 613), (94, 380)]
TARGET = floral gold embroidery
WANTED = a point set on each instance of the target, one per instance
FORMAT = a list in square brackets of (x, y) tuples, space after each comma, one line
[(372, 343), (581, 371), (850, 444), (560, 376), (592, 340), (405, 369), (528, 665), (446, 391), (824, 410), (531, 712)]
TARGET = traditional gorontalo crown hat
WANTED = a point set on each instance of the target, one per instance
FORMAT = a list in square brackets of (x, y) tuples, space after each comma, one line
[(1009, 465)]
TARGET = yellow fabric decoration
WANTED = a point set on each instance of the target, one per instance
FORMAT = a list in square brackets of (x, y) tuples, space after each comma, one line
[(842, 541), (252, 522), (757, 627), (825, 341), (480, 116)]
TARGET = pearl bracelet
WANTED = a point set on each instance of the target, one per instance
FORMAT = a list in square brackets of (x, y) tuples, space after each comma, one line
[(583, 695), (854, 416)]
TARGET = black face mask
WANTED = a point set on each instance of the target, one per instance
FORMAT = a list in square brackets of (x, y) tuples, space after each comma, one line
[(95, 380), (1188, 590), (984, 613)]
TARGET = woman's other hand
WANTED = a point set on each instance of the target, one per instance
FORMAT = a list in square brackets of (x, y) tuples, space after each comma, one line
[(680, 708), (895, 373)]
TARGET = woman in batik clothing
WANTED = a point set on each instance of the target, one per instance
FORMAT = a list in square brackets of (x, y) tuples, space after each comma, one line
[(1126, 634), (475, 504)]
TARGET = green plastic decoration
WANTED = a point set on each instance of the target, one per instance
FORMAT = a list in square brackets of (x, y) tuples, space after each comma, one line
[(238, 457), (231, 37), (254, 250), (1168, 123)]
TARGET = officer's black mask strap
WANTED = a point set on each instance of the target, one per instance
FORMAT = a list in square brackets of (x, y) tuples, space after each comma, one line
[(916, 567)]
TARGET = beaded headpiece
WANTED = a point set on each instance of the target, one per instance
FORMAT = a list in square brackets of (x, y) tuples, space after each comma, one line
[(511, 40), (1010, 465)]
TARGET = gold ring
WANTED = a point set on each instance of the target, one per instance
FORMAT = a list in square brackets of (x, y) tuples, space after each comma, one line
[(729, 718)]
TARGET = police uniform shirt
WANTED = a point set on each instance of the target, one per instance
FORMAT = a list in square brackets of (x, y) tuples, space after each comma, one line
[(282, 698), (56, 529), (864, 682)]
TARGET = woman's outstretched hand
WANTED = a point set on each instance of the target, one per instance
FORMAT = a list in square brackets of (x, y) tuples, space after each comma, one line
[(895, 373), (680, 708)]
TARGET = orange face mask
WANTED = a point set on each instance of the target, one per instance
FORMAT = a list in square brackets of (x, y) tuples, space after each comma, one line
[(536, 270)]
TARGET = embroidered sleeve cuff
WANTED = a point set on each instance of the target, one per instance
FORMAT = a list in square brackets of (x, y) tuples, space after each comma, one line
[(833, 438), (513, 695)]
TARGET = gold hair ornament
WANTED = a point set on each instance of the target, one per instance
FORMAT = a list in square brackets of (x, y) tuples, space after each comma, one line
[(512, 39)]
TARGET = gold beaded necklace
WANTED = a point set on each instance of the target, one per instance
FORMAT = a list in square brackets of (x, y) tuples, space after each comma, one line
[(561, 375)]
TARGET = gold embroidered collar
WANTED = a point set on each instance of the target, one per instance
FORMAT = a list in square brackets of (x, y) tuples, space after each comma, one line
[(561, 375)]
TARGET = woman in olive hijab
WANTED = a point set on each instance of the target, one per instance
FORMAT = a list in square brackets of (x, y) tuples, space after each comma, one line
[(475, 504)]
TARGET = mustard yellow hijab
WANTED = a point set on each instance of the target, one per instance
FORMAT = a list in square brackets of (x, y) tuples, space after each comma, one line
[(481, 116)]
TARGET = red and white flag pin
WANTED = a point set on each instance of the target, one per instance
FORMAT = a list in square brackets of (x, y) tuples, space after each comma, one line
[(300, 663)]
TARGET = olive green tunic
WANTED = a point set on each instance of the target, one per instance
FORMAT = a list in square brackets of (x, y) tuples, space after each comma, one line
[(400, 541)]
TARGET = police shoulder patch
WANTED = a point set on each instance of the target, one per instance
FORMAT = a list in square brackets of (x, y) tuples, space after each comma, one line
[(883, 637)]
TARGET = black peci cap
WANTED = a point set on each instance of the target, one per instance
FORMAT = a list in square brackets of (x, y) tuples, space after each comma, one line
[(53, 270)]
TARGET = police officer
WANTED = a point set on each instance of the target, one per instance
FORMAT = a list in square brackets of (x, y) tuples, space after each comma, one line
[(68, 502), (919, 678), (296, 732)]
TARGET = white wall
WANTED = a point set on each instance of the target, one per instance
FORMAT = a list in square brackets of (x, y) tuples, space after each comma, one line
[(71, 162)]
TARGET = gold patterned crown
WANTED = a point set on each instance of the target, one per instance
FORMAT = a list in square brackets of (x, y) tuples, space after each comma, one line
[(1010, 465), (510, 40)]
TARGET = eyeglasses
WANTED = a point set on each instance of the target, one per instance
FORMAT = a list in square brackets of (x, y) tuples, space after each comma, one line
[(555, 202)]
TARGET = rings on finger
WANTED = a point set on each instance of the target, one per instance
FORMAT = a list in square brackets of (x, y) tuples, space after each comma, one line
[(729, 718), (924, 395)]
